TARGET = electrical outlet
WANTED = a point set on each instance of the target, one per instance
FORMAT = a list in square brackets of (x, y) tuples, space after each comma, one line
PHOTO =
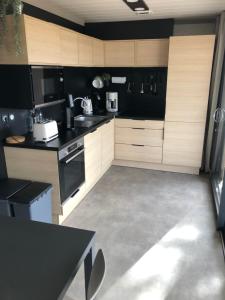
[(5, 118)]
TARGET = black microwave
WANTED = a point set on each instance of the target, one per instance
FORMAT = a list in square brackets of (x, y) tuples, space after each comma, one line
[(26, 87)]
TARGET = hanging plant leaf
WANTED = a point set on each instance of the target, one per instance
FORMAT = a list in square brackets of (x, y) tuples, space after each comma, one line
[(14, 8)]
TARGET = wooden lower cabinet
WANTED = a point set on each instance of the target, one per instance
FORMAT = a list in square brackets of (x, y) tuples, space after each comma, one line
[(138, 153), (140, 136), (92, 143), (36, 165), (107, 132), (183, 144)]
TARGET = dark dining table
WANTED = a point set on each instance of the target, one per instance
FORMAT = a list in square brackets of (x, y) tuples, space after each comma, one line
[(38, 261)]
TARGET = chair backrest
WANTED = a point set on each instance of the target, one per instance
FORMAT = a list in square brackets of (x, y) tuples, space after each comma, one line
[(97, 276)]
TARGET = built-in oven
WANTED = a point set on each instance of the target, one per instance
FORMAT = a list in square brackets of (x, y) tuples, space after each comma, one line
[(47, 84), (71, 169)]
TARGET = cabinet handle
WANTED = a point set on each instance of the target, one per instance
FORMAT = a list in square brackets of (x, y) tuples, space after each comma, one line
[(136, 128), (136, 145)]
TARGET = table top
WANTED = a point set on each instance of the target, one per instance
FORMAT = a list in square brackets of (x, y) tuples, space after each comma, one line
[(39, 260)]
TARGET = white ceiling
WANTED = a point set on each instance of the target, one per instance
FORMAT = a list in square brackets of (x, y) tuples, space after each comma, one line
[(82, 11)]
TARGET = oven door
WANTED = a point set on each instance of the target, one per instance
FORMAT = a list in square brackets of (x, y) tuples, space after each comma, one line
[(48, 84), (71, 173)]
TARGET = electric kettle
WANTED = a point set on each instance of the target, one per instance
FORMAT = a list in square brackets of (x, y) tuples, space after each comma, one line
[(86, 104)]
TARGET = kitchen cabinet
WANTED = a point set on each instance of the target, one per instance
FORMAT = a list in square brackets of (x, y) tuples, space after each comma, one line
[(151, 53), (98, 53), (36, 165), (140, 136), (99, 153), (85, 50), (138, 140), (189, 72), (141, 153), (93, 156), (43, 42), (107, 132), (119, 53), (183, 144), (68, 47)]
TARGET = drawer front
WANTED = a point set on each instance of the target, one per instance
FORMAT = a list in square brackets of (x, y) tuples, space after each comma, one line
[(129, 123), (140, 136), (138, 153)]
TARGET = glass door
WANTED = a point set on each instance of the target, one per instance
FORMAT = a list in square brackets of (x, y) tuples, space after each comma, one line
[(218, 155)]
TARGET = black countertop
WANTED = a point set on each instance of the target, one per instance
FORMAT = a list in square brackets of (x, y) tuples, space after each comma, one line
[(66, 136)]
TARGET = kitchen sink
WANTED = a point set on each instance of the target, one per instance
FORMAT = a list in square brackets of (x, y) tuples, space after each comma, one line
[(87, 121)]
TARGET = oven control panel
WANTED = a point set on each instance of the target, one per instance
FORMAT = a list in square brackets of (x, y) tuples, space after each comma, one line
[(71, 148)]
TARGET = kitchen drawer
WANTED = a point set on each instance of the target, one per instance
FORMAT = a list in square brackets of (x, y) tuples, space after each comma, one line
[(130, 123), (141, 136), (138, 153)]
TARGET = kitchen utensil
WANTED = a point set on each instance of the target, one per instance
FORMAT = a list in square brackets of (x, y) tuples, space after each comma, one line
[(98, 82), (129, 88), (142, 88), (86, 104)]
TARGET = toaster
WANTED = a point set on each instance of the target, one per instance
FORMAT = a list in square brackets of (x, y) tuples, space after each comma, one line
[(45, 131)]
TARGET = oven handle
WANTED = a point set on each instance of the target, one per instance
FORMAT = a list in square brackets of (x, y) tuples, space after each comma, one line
[(71, 158)]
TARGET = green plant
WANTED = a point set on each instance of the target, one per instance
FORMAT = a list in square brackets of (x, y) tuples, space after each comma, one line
[(15, 8)]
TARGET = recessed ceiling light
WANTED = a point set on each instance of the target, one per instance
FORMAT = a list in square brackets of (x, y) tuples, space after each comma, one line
[(139, 8), (137, 5)]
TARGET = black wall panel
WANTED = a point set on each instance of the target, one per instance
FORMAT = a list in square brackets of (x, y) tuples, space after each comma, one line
[(147, 29), (49, 17)]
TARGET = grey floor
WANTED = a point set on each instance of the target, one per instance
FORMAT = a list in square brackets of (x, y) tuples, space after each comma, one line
[(157, 231)]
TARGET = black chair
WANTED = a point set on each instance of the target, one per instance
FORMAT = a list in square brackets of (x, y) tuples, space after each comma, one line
[(97, 276)]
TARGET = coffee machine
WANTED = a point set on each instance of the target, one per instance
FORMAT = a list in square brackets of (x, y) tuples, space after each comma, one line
[(112, 101)]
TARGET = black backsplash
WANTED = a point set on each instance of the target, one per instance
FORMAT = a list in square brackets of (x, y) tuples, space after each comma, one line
[(78, 81)]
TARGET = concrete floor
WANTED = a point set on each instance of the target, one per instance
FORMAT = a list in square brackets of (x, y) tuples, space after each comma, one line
[(157, 231)]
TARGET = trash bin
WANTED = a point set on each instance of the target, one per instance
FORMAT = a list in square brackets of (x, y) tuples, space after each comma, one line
[(34, 202), (9, 187)]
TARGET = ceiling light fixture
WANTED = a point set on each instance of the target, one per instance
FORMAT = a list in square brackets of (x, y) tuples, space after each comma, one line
[(137, 5)]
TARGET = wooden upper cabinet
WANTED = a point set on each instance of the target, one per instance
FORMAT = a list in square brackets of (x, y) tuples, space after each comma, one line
[(189, 72), (68, 47), (151, 53), (98, 53), (43, 41), (85, 50), (119, 53)]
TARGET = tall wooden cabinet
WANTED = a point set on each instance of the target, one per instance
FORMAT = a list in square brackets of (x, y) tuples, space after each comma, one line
[(189, 73)]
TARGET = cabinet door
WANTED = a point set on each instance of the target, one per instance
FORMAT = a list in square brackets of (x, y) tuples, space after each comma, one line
[(43, 42), (85, 50), (138, 153), (139, 136), (183, 144), (107, 131), (98, 53), (93, 148), (68, 47), (152, 53), (189, 71), (119, 53)]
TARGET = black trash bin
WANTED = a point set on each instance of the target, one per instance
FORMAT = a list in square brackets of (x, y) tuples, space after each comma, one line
[(34, 202), (9, 187)]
